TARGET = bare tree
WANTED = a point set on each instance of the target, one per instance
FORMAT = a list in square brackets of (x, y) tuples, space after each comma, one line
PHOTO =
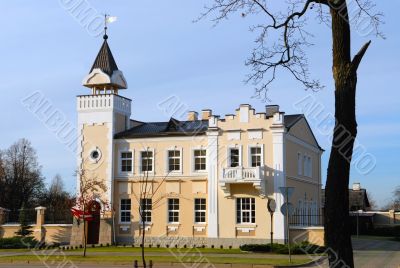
[(395, 202), (146, 203), (287, 52), (21, 176), (90, 189), (57, 200)]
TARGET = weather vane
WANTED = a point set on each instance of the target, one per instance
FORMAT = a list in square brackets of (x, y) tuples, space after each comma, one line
[(107, 20)]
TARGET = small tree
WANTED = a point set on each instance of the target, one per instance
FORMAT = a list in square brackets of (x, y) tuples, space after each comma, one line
[(24, 228), (145, 195), (90, 189)]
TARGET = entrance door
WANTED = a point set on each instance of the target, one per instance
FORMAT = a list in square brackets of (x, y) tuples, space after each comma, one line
[(94, 225)]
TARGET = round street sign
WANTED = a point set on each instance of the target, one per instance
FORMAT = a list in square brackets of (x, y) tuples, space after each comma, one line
[(271, 205), (289, 207)]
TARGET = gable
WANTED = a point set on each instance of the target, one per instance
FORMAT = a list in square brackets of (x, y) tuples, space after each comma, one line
[(301, 129)]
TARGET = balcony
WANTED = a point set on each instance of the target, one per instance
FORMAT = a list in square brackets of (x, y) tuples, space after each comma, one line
[(241, 175)]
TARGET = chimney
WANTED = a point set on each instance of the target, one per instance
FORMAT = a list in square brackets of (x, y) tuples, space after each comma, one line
[(192, 116), (356, 186), (206, 114), (270, 110)]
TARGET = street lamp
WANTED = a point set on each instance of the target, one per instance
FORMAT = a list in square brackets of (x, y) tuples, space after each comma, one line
[(271, 208)]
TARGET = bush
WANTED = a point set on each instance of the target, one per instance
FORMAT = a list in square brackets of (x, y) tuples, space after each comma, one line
[(18, 242), (385, 231), (302, 248)]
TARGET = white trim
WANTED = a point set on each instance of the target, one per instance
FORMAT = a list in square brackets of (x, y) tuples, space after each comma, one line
[(255, 145), (303, 180), (141, 172), (173, 172), (201, 210), (228, 153), (198, 138), (125, 173), (120, 212), (305, 144), (192, 161)]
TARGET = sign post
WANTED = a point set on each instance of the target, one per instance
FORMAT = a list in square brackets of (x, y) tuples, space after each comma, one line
[(287, 209), (271, 208)]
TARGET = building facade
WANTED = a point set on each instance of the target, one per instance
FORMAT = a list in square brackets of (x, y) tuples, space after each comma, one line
[(205, 180)]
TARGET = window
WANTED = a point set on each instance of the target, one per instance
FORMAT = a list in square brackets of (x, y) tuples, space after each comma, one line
[(234, 157), (145, 208), (147, 161), (200, 210), (173, 210), (126, 162), (307, 165), (125, 210), (299, 166), (200, 160), (245, 210), (255, 156), (174, 160)]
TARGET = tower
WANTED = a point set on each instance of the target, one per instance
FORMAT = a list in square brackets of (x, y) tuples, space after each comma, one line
[(101, 114)]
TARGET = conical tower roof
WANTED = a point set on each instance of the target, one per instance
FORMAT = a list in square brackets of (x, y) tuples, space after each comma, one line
[(105, 60)]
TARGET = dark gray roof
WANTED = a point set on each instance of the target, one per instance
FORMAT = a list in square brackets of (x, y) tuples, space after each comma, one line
[(358, 200), (105, 60), (292, 119), (171, 128), (181, 128)]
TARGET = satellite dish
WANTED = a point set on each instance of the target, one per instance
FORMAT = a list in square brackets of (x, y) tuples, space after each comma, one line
[(271, 205)]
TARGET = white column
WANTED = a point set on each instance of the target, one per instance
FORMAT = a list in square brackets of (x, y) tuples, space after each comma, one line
[(279, 159), (212, 167)]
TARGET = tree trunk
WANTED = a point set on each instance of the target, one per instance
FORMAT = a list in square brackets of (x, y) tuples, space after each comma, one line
[(143, 236), (84, 237), (337, 221)]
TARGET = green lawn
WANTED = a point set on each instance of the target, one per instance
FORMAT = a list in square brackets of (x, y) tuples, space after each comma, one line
[(159, 259), (164, 250)]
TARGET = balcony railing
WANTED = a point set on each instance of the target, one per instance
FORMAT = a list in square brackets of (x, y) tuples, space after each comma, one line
[(236, 175), (241, 173)]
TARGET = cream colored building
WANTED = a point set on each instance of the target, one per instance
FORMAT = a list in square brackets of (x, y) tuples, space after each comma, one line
[(205, 180)]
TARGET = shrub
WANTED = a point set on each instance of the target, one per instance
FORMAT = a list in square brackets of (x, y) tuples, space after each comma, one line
[(301, 248), (18, 242)]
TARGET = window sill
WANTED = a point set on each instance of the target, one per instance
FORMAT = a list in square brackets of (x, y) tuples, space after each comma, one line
[(246, 225)]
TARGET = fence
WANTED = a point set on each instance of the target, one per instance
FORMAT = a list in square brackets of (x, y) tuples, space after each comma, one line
[(13, 216), (298, 219), (53, 216)]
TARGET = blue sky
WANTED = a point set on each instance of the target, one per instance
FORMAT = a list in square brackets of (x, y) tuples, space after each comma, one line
[(163, 53)]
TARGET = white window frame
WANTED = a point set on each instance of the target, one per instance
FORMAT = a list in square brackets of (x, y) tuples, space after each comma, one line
[(194, 160), (252, 201), (173, 210), (299, 164), (228, 153), (125, 211), (249, 154), (200, 211), (180, 171), (146, 210), (307, 166), (125, 173), (153, 161)]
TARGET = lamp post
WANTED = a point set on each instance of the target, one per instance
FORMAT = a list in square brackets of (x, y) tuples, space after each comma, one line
[(271, 208)]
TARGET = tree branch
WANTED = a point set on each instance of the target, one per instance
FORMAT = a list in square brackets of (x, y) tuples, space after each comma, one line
[(359, 56)]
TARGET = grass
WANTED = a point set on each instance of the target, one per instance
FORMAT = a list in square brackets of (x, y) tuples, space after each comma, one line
[(164, 250), (156, 259)]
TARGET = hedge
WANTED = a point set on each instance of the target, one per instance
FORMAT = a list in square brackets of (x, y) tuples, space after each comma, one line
[(302, 248), (17, 242)]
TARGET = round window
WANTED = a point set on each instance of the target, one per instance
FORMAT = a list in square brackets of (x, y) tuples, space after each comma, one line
[(95, 155)]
